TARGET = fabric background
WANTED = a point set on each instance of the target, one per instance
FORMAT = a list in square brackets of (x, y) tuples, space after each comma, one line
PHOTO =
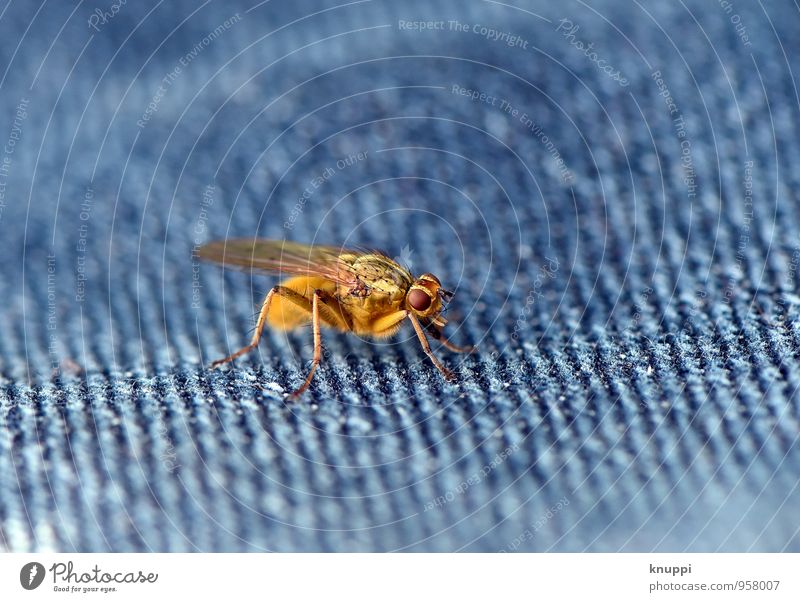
[(630, 274)]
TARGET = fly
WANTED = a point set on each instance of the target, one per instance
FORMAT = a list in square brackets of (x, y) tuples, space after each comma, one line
[(364, 292)]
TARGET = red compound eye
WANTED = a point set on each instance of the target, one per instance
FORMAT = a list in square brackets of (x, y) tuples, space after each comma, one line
[(419, 299)]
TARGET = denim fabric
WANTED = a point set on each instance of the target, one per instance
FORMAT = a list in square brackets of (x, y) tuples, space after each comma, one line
[(611, 190)]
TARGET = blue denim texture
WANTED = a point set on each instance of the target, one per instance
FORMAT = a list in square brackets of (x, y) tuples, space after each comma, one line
[(623, 247)]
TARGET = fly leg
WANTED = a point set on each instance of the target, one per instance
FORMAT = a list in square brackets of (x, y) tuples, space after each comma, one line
[(317, 345), (427, 348), (437, 334)]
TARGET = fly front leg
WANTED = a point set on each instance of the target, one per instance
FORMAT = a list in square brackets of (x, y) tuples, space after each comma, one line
[(437, 334), (427, 348)]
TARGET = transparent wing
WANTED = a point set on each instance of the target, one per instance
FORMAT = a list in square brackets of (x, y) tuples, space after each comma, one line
[(282, 256)]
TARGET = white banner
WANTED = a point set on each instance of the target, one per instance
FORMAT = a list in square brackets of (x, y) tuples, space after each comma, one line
[(400, 577)]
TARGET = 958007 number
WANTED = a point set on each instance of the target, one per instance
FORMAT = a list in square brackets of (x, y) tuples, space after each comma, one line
[(757, 585)]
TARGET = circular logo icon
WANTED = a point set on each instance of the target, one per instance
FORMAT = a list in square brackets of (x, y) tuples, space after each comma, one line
[(31, 575)]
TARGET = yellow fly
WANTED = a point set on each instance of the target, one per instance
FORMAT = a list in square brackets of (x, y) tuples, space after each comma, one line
[(363, 292)]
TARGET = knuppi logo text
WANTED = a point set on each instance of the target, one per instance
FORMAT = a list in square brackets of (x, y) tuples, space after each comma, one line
[(32, 575)]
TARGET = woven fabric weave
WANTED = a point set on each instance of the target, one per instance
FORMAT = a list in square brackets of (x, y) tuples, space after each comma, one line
[(611, 190)]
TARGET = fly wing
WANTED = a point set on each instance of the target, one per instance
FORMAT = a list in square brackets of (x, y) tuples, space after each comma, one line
[(283, 257)]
